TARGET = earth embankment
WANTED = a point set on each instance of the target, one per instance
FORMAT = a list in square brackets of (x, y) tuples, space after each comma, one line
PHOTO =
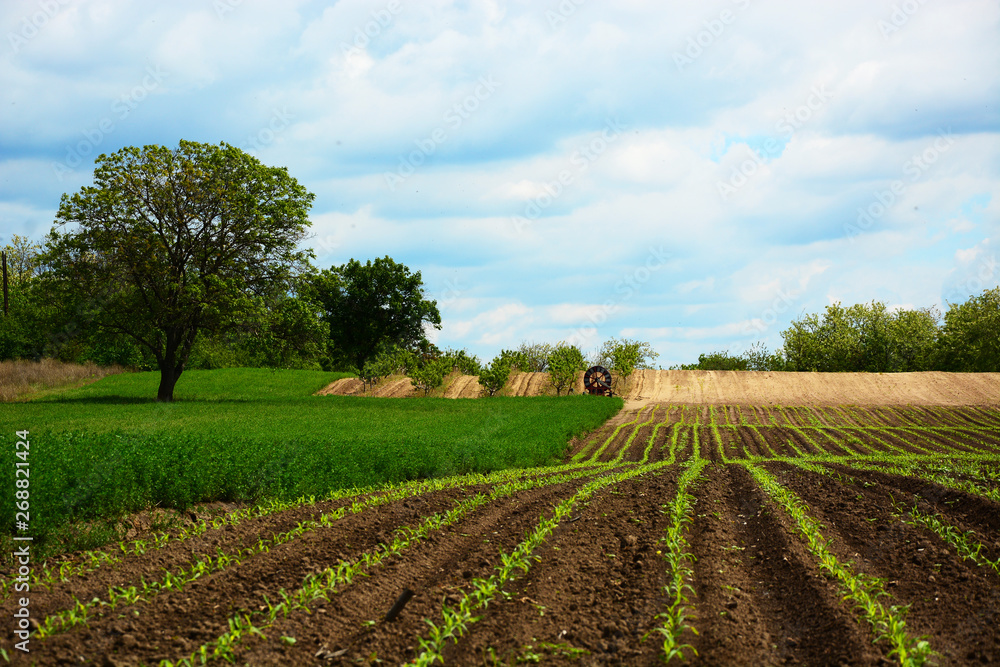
[(734, 388)]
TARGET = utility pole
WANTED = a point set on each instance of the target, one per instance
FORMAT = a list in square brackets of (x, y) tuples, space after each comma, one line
[(3, 254)]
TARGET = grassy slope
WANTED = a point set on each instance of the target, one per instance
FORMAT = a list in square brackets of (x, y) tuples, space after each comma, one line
[(244, 434)]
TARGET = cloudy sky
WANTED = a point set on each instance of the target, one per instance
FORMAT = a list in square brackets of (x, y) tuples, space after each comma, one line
[(693, 174)]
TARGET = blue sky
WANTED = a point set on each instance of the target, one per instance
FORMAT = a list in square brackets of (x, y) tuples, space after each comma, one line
[(695, 175)]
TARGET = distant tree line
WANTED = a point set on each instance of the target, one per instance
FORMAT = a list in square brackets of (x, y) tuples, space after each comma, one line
[(872, 338)]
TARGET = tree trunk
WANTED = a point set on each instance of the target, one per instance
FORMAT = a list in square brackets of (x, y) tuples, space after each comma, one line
[(168, 378)]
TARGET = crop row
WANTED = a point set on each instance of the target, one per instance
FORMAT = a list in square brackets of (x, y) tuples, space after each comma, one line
[(891, 417), (864, 591), (678, 557), (206, 564)]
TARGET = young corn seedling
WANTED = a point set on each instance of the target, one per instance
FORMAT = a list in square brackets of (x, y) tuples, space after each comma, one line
[(677, 589), (862, 591), (964, 543)]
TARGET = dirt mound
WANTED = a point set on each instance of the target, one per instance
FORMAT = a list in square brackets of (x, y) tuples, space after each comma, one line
[(736, 388), (392, 387), (769, 388), (455, 386)]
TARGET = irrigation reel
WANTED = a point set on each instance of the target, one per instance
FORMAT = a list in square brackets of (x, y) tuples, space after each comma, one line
[(597, 381)]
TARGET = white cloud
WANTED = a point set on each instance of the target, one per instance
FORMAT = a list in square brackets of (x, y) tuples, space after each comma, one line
[(360, 114)]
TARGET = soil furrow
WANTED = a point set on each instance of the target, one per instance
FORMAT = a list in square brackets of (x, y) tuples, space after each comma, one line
[(435, 570), (965, 510), (760, 598), (173, 556), (951, 601), (595, 591), (176, 623)]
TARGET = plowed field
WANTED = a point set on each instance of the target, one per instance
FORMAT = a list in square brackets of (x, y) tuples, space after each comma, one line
[(729, 535)]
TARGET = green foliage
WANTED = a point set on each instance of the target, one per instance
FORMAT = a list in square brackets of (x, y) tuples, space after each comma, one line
[(565, 363), (717, 361), (24, 330), (623, 357), (285, 333), (370, 306), (862, 337), (386, 362), (23, 259), (108, 449), (171, 243), (516, 360), (871, 338), (462, 361), (756, 358), (494, 377), (969, 340), (534, 357), (21, 335), (430, 373)]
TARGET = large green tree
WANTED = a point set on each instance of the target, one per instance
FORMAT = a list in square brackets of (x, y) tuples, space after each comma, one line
[(172, 242), (371, 306), (970, 338)]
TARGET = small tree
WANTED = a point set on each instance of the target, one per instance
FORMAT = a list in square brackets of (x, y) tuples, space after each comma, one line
[(516, 360), (430, 374), (462, 361), (383, 364), (565, 362), (494, 377), (534, 357), (22, 258), (625, 356)]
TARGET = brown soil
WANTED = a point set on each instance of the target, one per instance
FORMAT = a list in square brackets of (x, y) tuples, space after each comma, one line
[(952, 602), (596, 586)]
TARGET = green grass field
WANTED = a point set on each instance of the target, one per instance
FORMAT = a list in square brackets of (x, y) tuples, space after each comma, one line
[(108, 449)]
